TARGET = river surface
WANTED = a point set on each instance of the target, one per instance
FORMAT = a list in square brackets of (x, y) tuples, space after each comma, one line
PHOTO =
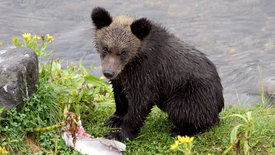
[(237, 35)]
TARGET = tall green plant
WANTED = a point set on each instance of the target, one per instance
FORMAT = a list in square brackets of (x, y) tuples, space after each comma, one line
[(73, 85), (241, 134), (32, 42), (70, 88), (262, 86)]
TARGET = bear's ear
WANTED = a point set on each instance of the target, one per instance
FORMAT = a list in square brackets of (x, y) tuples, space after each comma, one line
[(141, 28), (101, 17)]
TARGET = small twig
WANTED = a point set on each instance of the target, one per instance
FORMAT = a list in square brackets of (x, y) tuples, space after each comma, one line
[(50, 127)]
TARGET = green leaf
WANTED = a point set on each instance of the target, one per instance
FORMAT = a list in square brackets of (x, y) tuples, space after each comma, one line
[(234, 132), (82, 68), (30, 43), (44, 46), (246, 147), (95, 81), (80, 95), (16, 42), (240, 116), (66, 110), (56, 67), (77, 108), (5, 143), (249, 116)]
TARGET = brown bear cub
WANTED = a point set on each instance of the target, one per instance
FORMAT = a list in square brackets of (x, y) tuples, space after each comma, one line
[(149, 66)]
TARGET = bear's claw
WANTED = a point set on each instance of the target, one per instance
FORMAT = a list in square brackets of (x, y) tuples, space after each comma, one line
[(114, 121), (114, 135)]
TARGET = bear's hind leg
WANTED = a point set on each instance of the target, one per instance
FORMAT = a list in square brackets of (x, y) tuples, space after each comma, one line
[(192, 113)]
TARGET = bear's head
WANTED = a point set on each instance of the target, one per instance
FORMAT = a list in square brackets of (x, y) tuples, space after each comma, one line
[(118, 40)]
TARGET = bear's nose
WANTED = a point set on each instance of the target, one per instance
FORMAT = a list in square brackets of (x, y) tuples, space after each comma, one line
[(108, 74)]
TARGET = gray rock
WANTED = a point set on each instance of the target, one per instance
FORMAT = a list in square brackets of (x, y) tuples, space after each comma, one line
[(18, 75), (269, 86)]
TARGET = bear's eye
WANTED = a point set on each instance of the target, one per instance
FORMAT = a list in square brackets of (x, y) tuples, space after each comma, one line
[(105, 50), (123, 53)]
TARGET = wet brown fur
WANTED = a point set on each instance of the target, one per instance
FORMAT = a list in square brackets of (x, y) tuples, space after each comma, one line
[(159, 69)]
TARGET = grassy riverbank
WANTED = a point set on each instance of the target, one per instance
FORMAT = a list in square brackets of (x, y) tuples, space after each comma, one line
[(244, 130)]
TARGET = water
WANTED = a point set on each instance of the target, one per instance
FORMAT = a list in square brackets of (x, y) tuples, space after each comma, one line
[(237, 35)]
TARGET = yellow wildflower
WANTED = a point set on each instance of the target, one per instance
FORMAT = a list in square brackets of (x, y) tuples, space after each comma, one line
[(185, 139), (43, 37), (174, 146), (73, 93), (50, 38), (181, 139), (27, 36), (36, 38), (189, 139), (186, 149), (3, 150), (65, 78)]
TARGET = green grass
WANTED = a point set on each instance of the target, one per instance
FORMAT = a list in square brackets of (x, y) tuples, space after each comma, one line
[(155, 138), (73, 87)]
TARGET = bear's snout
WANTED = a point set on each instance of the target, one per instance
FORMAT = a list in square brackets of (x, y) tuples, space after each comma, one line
[(108, 74)]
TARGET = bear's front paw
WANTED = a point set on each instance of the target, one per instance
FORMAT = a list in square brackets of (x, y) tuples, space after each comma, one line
[(175, 132), (114, 121), (115, 135)]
